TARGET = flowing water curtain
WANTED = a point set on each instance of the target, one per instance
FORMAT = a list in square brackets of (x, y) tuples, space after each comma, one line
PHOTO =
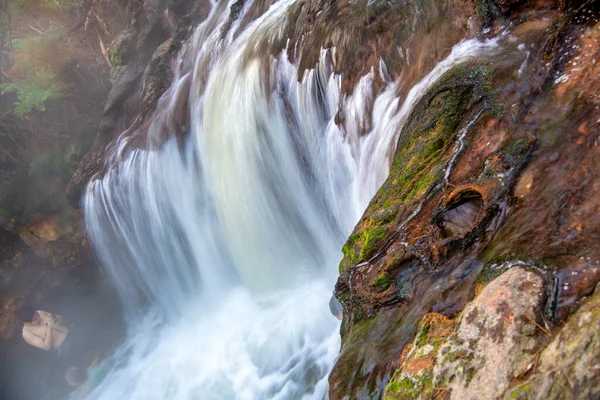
[(251, 195), (259, 154)]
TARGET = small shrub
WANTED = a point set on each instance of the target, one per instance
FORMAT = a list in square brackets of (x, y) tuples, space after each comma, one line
[(33, 92)]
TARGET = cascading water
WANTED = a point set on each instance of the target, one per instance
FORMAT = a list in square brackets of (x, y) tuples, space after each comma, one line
[(224, 248)]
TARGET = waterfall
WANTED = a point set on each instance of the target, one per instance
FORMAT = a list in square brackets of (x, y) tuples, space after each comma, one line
[(224, 247)]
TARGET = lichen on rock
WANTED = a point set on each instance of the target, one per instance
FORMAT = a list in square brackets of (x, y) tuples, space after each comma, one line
[(496, 339), (568, 368), (414, 378)]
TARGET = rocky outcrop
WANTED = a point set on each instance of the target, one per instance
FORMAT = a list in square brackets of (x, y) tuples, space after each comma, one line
[(502, 347), (517, 186), (496, 340), (141, 57), (496, 166)]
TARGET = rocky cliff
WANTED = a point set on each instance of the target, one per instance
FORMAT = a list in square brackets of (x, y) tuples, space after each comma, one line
[(459, 280)]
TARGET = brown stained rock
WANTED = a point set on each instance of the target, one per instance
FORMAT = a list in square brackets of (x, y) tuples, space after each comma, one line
[(555, 216), (532, 155), (569, 368), (582, 74), (496, 338), (461, 216), (410, 37)]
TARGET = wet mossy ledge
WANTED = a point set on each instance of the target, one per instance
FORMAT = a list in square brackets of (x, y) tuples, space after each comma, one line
[(424, 147)]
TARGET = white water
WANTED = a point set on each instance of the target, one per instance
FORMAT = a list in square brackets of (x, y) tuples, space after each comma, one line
[(225, 253)]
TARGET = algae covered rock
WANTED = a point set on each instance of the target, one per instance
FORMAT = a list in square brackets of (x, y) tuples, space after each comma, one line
[(415, 377)]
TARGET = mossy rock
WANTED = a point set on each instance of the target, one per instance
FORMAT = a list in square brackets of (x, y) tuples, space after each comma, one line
[(122, 48), (414, 379), (421, 156), (568, 367)]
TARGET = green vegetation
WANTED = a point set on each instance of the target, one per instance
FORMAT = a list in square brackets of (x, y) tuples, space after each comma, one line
[(381, 282), (409, 387), (33, 77), (523, 389), (423, 148), (121, 46), (360, 247), (419, 382), (116, 57), (33, 91), (423, 335), (469, 375)]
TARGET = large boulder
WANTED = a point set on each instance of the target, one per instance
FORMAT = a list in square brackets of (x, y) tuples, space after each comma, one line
[(496, 340), (498, 337)]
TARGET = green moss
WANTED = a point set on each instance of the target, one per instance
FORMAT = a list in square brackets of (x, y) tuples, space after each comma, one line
[(116, 57), (423, 335), (409, 387), (422, 152), (469, 375), (523, 389), (121, 47), (369, 238), (360, 247), (349, 243), (382, 281)]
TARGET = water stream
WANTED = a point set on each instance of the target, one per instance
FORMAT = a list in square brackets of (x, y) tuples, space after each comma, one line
[(224, 248)]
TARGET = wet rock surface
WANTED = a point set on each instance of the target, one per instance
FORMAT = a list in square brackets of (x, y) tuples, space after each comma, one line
[(497, 162), (461, 216), (450, 219)]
